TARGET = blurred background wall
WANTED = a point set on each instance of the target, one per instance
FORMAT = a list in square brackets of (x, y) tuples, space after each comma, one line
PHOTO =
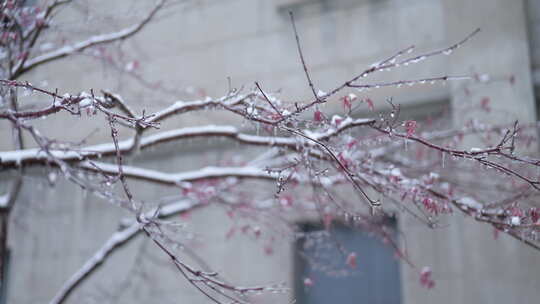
[(192, 50)]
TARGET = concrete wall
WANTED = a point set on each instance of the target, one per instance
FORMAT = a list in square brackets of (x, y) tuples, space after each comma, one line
[(55, 230)]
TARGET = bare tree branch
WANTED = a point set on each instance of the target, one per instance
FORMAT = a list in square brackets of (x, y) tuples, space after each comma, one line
[(24, 67)]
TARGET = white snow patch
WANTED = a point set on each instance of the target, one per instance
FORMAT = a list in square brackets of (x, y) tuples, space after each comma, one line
[(3, 201), (470, 203), (395, 172), (515, 220), (336, 119)]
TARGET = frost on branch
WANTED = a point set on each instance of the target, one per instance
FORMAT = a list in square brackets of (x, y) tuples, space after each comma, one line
[(329, 167)]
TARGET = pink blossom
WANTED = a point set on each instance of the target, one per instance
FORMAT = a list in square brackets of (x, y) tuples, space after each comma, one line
[(344, 159), (347, 103), (132, 65), (395, 178), (410, 127), (336, 120), (308, 282), (351, 260), (425, 278), (369, 103), (352, 143), (286, 201), (90, 111), (515, 211), (318, 116), (535, 214), (430, 205), (257, 231)]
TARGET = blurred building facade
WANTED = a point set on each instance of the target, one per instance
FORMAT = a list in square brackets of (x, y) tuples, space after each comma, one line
[(55, 230)]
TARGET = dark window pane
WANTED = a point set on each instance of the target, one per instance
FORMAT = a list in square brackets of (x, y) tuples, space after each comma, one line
[(375, 279)]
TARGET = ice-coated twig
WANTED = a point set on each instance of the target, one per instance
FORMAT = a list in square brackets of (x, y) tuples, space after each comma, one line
[(430, 80)]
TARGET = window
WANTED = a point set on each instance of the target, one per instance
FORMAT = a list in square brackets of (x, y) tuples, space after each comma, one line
[(533, 27), (306, 8), (375, 279), (29, 2)]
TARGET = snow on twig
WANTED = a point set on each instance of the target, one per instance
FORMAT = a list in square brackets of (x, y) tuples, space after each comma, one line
[(176, 178)]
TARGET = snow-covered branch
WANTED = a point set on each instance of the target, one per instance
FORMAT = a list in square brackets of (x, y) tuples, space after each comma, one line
[(38, 156), (177, 178)]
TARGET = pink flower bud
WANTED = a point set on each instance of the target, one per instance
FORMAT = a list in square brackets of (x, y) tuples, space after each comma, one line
[(318, 116), (369, 103), (425, 278), (351, 260), (286, 201), (410, 127), (535, 214), (347, 103)]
